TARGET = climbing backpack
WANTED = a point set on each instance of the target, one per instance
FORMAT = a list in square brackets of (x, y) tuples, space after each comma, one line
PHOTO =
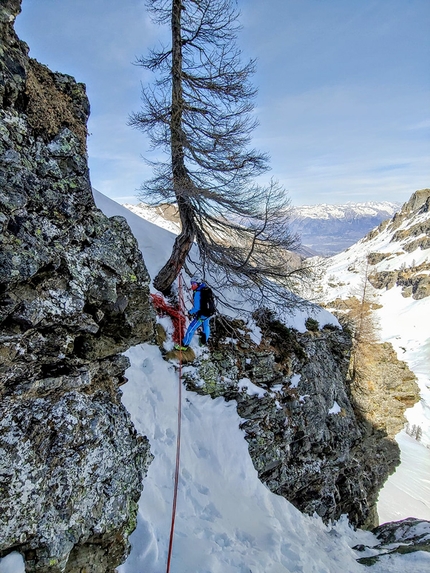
[(207, 302)]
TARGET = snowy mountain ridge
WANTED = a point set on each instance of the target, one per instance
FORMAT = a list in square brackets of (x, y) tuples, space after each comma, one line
[(165, 216), (329, 229), (346, 211), (161, 216), (394, 246)]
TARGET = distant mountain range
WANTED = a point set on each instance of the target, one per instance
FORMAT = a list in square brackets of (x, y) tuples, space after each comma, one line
[(324, 229), (329, 229)]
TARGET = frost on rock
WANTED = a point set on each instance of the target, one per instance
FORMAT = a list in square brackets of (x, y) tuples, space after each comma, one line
[(400, 537)]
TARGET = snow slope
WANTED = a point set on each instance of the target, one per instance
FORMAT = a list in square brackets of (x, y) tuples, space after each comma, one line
[(404, 322), (227, 520), (407, 492)]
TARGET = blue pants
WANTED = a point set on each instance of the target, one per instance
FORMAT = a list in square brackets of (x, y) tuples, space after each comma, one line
[(203, 321)]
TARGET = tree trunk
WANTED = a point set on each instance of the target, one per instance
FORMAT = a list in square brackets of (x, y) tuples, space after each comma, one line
[(182, 183), (166, 277)]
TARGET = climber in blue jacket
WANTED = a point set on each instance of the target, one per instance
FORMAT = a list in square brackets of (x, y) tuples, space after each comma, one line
[(199, 319)]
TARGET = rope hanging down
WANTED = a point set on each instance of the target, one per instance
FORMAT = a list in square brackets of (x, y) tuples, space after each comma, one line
[(180, 327)]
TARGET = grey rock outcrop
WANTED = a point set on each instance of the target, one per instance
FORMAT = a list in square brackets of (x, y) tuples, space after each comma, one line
[(73, 295), (402, 537), (307, 438)]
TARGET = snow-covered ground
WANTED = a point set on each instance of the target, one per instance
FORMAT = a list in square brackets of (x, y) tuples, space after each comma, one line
[(227, 520), (407, 492)]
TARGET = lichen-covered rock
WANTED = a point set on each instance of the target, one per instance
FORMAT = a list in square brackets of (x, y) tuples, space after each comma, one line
[(72, 466), (375, 258), (307, 437), (384, 279), (73, 295)]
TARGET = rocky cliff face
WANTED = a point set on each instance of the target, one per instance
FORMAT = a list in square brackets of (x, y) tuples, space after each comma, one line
[(73, 295), (410, 233), (308, 439)]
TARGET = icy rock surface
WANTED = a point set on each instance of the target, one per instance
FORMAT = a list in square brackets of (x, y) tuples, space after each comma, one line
[(398, 537)]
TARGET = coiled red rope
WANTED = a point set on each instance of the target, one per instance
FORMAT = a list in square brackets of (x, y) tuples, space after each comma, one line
[(176, 314)]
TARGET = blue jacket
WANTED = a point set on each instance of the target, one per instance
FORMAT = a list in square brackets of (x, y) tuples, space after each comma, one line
[(196, 299)]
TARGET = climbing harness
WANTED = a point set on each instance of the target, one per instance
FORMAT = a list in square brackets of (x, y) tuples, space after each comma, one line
[(178, 434)]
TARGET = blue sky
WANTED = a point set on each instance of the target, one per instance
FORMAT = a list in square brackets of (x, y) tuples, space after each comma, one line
[(344, 90)]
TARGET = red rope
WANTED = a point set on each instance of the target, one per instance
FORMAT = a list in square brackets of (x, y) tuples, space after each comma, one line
[(178, 435), (176, 314)]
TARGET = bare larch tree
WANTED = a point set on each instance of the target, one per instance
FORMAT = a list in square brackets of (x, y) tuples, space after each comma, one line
[(199, 112)]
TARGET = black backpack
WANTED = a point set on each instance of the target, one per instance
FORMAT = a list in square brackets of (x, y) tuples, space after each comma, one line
[(207, 302)]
